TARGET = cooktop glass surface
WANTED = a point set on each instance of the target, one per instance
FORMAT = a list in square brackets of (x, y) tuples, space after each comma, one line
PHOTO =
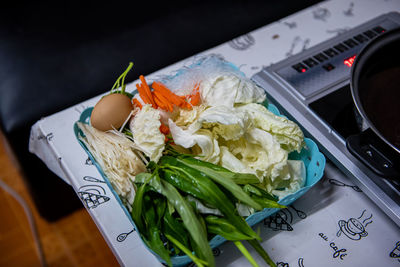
[(338, 110)]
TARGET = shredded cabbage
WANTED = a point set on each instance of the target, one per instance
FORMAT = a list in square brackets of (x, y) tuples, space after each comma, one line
[(286, 132), (229, 89), (145, 128), (242, 137), (202, 142)]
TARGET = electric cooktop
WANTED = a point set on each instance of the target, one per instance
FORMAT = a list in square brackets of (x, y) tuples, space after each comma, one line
[(313, 89)]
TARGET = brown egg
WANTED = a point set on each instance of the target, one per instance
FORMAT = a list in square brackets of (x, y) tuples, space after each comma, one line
[(111, 111)]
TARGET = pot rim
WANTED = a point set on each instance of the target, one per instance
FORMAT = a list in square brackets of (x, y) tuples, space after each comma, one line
[(359, 62)]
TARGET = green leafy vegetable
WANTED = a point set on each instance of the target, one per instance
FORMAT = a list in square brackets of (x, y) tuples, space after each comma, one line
[(137, 207), (224, 228), (220, 177), (262, 197), (196, 230), (210, 193), (153, 213), (260, 250), (246, 253), (175, 229), (197, 261), (165, 210)]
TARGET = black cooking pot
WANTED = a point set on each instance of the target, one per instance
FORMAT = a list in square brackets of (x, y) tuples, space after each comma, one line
[(375, 87)]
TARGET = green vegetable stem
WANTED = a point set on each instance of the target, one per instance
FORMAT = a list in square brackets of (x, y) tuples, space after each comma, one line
[(209, 192), (120, 82), (189, 218), (169, 222)]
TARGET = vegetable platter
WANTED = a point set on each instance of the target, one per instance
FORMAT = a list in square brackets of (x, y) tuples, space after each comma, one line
[(197, 158)]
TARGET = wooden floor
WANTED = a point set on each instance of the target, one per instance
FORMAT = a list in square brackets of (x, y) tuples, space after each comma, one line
[(71, 241)]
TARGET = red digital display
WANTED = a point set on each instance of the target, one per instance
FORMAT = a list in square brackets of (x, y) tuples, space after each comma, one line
[(349, 61)]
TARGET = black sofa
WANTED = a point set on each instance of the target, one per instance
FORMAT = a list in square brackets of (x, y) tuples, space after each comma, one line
[(56, 54)]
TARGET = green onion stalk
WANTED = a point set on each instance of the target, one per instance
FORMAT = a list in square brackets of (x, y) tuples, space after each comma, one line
[(171, 225)]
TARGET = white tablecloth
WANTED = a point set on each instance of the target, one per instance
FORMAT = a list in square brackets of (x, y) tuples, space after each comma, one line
[(311, 232)]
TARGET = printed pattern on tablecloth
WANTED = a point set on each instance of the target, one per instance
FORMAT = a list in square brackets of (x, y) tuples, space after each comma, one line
[(293, 235), (334, 224)]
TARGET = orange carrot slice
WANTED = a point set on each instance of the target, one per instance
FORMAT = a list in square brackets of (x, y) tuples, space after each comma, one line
[(164, 100), (137, 103), (168, 94), (147, 91), (195, 99), (159, 102), (142, 94), (164, 129)]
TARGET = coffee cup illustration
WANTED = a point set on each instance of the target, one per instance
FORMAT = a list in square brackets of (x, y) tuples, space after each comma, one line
[(353, 228)]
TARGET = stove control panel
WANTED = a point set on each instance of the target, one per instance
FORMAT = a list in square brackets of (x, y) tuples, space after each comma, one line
[(353, 43), (317, 68)]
